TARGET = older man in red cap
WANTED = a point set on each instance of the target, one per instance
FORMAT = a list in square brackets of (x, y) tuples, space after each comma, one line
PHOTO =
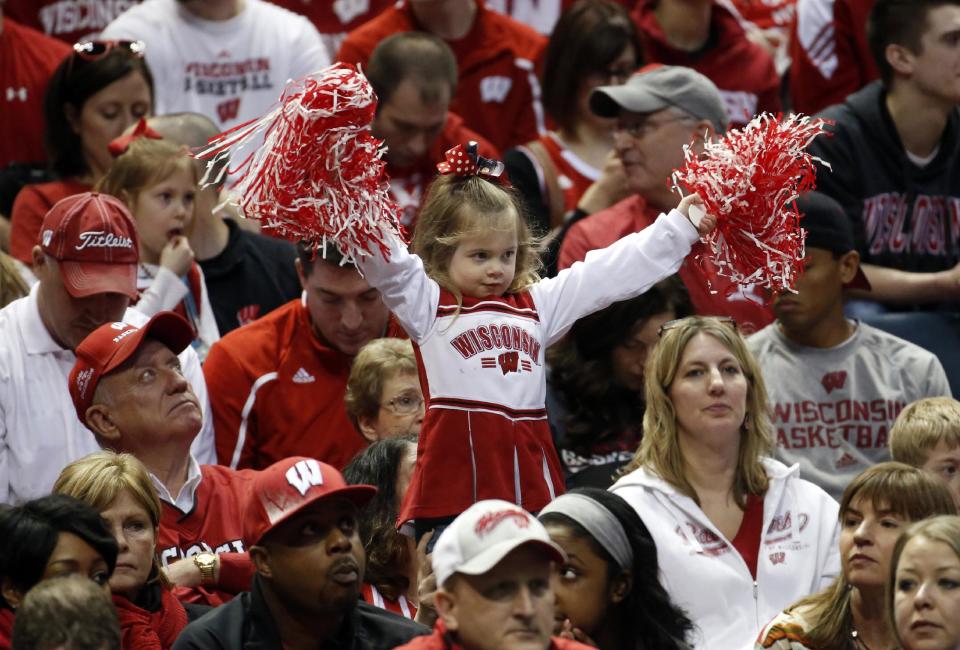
[(302, 520), (128, 387), (86, 263)]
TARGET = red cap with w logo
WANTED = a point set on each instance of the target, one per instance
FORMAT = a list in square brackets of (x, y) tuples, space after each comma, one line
[(290, 485), (94, 238)]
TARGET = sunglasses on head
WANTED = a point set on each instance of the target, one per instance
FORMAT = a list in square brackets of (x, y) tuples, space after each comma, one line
[(669, 325), (93, 50)]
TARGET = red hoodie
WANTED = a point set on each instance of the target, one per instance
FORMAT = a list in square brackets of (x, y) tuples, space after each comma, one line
[(742, 70)]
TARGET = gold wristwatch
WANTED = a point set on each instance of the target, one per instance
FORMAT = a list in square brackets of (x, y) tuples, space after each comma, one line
[(207, 563)]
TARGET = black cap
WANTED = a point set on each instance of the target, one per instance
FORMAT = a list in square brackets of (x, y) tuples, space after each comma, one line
[(828, 227)]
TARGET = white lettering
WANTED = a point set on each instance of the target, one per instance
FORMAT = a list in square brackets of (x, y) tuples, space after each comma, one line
[(100, 239), (304, 475)]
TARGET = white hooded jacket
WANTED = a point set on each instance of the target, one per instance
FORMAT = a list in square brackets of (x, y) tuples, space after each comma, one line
[(706, 576)]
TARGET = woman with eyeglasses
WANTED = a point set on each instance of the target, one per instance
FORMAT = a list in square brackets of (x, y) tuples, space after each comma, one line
[(595, 383), (739, 535), (594, 43), (45, 538), (98, 91), (383, 397)]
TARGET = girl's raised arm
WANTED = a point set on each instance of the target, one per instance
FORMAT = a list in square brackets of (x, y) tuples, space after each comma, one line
[(406, 288)]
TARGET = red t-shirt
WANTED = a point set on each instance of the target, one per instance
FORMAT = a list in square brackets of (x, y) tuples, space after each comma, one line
[(747, 540), (498, 94), (30, 207), (707, 289), (67, 20), (215, 525), (27, 59), (409, 185), (742, 70)]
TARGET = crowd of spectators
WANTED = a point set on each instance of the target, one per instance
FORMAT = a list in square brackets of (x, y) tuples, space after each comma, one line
[(211, 438)]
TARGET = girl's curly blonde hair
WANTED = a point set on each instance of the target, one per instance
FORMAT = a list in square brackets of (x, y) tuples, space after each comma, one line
[(458, 207)]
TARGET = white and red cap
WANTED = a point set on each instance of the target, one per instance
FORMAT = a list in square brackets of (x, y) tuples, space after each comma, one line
[(109, 346), (484, 534), (94, 238), (290, 485)]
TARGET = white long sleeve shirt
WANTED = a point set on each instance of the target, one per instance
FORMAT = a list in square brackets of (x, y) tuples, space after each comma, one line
[(706, 576), (39, 430)]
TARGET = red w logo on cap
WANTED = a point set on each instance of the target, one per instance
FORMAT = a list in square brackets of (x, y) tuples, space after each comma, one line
[(304, 475)]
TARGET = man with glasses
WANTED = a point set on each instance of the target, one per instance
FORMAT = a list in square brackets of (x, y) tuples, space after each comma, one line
[(659, 111), (835, 384), (277, 384)]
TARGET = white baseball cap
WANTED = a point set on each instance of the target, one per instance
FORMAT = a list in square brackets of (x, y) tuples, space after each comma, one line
[(484, 534)]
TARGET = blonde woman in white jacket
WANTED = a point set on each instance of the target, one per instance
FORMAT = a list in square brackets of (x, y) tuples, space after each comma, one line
[(739, 536)]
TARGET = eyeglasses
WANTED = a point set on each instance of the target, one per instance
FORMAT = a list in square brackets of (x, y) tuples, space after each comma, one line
[(93, 50), (645, 125), (673, 324), (404, 404)]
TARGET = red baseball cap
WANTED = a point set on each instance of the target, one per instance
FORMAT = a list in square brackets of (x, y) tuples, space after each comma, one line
[(94, 238), (110, 345), (290, 485)]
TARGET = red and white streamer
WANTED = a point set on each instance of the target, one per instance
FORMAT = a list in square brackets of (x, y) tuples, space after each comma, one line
[(749, 180), (318, 174)]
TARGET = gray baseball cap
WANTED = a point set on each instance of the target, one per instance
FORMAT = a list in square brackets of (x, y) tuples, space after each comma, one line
[(662, 87)]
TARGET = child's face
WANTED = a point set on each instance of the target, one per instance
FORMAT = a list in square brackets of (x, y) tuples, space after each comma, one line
[(944, 461), (484, 264), (164, 211)]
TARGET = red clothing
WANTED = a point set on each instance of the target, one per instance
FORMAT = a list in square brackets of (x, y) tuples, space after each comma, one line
[(401, 606), (30, 207), (6, 628), (498, 94), (747, 539), (571, 171), (145, 630), (706, 288), (215, 524), (334, 19), (439, 640), (276, 391), (743, 71), (67, 20), (409, 185), (27, 59), (767, 14), (831, 57)]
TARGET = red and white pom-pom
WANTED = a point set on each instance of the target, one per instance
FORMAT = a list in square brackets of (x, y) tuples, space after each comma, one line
[(318, 174), (749, 180)]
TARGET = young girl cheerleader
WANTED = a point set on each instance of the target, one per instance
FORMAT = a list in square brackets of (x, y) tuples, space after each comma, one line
[(481, 320), (157, 180)]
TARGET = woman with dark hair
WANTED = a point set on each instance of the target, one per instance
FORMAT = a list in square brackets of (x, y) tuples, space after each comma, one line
[(595, 385), (608, 594), (390, 580), (98, 91), (45, 538), (593, 44)]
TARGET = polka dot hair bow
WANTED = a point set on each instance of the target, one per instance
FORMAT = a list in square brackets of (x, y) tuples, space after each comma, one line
[(463, 160)]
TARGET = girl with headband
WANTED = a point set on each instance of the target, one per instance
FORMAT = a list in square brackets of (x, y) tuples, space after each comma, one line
[(608, 593)]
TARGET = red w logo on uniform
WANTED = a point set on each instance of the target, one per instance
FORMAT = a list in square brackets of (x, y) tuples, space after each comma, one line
[(228, 110), (834, 380), (778, 557), (509, 362)]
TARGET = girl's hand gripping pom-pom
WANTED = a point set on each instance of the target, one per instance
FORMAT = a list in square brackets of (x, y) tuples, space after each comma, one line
[(748, 181), (318, 174), (692, 207)]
